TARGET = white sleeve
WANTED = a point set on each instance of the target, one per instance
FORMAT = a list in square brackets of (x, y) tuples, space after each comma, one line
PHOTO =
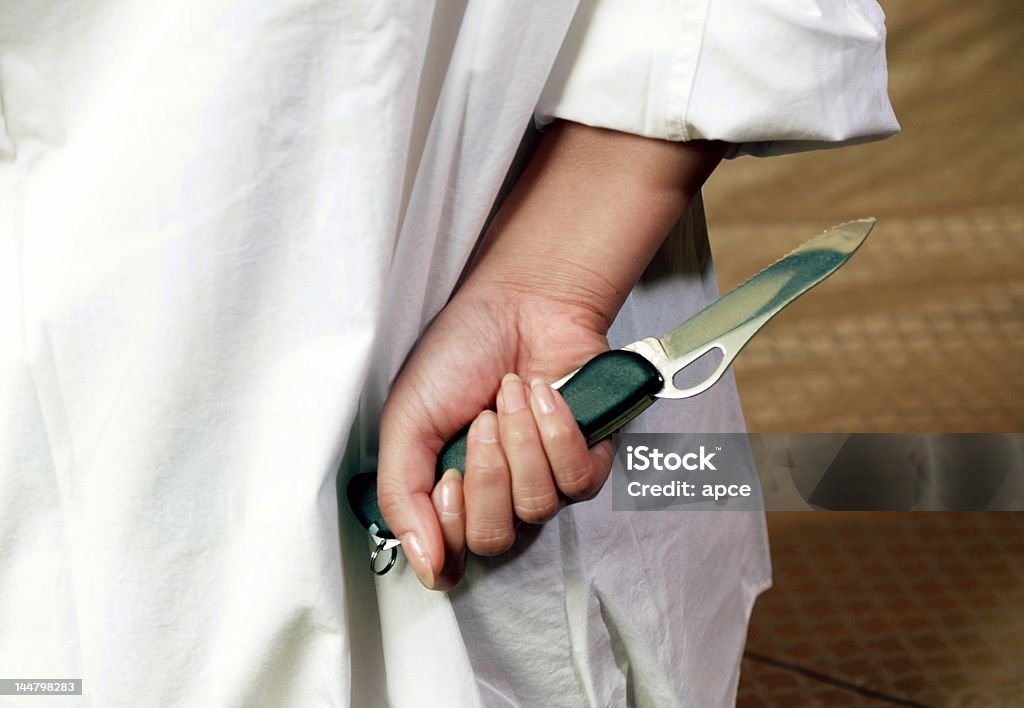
[(771, 76)]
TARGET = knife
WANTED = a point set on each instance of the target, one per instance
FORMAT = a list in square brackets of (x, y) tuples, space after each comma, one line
[(616, 386)]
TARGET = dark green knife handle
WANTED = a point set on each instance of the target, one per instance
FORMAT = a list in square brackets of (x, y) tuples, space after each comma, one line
[(609, 391)]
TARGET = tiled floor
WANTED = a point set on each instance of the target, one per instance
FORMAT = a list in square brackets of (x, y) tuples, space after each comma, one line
[(868, 609), (922, 332)]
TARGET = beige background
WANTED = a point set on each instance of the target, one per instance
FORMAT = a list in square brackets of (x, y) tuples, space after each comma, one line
[(923, 331)]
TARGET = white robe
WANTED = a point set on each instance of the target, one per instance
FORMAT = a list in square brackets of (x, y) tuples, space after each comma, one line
[(223, 224)]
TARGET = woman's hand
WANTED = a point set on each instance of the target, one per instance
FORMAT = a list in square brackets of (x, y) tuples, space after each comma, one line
[(491, 348), (567, 246)]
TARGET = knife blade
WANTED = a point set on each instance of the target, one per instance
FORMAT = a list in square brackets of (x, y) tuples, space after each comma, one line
[(614, 387)]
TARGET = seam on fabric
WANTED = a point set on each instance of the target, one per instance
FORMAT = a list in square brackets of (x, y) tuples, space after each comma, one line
[(8, 148), (494, 691), (644, 687), (575, 605), (409, 181), (61, 481), (619, 649), (114, 404), (30, 366), (685, 75)]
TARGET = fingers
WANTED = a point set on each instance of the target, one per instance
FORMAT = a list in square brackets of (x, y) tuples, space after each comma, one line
[(534, 496), (490, 523), (601, 457), (518, 462), (405, 479), (578, 471), (451, 512)]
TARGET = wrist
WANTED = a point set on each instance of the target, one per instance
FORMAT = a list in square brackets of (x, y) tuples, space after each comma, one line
[(553, 282), (587, 216)]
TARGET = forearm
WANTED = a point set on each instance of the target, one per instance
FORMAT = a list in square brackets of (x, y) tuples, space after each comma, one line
[(588, 214), (567, 246)]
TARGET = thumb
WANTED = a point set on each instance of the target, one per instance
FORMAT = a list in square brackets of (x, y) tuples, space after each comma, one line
[(405, 479)]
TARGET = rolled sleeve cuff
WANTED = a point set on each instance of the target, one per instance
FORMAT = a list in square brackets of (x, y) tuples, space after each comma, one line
[(769, 76)]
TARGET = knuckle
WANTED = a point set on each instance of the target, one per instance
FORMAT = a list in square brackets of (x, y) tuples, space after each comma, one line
[(536, 508), (488, 472), (490, 541), (577, 482), (516, 436), (559, 434)]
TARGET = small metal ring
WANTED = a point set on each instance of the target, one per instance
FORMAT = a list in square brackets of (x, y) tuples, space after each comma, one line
[(391, 561)]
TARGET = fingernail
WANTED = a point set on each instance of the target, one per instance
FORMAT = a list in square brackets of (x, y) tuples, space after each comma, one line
[(487, 427), (448, 494), (418, 558), (513, 397), (542, 396)]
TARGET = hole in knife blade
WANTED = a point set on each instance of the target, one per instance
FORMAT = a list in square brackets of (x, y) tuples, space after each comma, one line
[(698, 370)]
